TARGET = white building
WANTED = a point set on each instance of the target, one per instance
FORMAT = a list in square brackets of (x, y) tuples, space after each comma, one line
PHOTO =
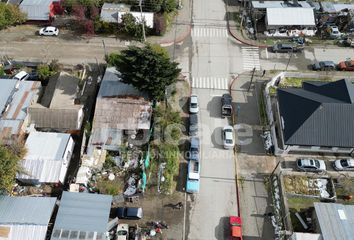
[(47, 159)]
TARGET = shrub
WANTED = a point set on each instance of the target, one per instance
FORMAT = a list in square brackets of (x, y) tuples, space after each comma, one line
[(10, 15), (44, 72)]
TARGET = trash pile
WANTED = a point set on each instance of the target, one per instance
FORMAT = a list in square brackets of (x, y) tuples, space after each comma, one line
[(267, 142)]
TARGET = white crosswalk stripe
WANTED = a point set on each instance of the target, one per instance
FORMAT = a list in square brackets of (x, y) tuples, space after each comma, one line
[(209, 32), (210, 82), (250, 56)]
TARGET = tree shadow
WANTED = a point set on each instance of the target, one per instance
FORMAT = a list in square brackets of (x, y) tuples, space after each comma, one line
[(222, 230), (214, 107), (216, 138)]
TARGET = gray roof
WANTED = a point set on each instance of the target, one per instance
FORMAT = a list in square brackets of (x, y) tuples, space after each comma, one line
[(7, 87), (82, 214), (318, 114), (279, 4), (26, 210), (336, 220), (290, 16), (112, 86), (109, 11), (36, 9), (327, 7)]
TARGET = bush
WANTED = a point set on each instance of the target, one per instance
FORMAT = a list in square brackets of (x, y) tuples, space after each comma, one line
[(10, 15), (44, 72), (160, 24), (168, 6)]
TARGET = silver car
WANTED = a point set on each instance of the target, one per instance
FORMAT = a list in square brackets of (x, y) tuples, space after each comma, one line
[(228, 137), (346, 164), (311, 165)]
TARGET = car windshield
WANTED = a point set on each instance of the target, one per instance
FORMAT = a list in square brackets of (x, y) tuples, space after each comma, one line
[(228, 141), (194, 150), (193, 105), (122, 233), (344, 163), (317, 163)]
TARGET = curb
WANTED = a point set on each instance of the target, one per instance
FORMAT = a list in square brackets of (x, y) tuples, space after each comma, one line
[(176, 41)]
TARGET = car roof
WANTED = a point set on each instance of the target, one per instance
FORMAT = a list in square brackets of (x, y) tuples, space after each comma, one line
[(194, 142), (194, 98), (21, 74), (285, 45), (193, 118), (327, 62), (307, 162), (50, 28)]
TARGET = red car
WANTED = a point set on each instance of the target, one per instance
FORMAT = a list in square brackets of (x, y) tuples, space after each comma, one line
[(236, 227), (346, 65)]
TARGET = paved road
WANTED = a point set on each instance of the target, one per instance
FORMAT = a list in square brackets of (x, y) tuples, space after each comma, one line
[(212, 58)]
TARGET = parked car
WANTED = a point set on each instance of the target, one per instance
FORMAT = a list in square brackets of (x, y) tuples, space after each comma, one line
[(346, 65), (193, 124), (228, 137), (22, 75), (311, 165), (346, 164), (226, 105), (235, 227), (193, 104), (122, 232), (324, 66), (333, 32), (285, 48), (192, 183), (129, 213), (49, 31), (33, 76), (194, 149)]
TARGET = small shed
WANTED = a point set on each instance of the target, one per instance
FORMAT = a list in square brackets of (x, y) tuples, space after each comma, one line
[(284, 17), (38, 10), (25, 218), (82, 216), (47, 158)]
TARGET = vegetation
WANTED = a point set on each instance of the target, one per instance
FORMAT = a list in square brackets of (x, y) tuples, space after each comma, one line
[(9, 165), (10, 15), (109, 187), (169, 123), (262, 110), (299, 203), (297, 82), (169, 153), (132, 28), (149, 69), (45, 71)]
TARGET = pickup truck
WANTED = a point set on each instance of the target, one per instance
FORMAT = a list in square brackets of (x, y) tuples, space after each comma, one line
[(235, 227), (226, 105), (192, 185)]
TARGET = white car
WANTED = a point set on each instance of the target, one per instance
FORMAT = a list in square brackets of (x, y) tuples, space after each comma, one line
[(122, 231), (49, 31), (228, 137), (344, 164), (21, 76), (311, 165), (193, 104)]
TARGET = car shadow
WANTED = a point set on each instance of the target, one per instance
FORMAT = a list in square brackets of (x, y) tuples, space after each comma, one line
[(222, 229), (216, 138), (214, 107)]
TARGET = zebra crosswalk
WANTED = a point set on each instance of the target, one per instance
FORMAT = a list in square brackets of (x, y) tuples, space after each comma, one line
[(250, 57), (210, 82), (209, 32)]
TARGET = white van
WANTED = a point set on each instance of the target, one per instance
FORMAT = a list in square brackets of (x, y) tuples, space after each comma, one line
[(21, 76)]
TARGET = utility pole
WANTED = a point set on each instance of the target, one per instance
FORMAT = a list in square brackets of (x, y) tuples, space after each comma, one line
[(292, 52), (249, 87), (142, 20)]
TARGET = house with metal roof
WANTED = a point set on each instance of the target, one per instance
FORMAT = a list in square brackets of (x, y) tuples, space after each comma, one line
[(25, 218), (82, 216), (47, 158), (285, 17), (335, 221), (58, 108), (15, 99), (120, 108), (38, 10), (317, 117), (113, 13)]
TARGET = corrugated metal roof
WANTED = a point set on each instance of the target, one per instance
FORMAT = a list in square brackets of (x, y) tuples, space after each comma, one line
[(111, 12), (36, 9), (278, 4), (82, 214), (327, 7), (341, 6), (112, 85), (45, 157), (290, 16), (336, 220), (25, 232), (318, 115), (26, 210), (7, 87)]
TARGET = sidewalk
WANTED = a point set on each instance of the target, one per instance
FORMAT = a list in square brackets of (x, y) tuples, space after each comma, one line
[(180, 28), (235, 31)]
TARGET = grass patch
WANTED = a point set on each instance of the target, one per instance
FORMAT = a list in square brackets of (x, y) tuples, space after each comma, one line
[(344, 187), (169, 17), (273, 91), (300, 203), (297, 82), (114, 187)]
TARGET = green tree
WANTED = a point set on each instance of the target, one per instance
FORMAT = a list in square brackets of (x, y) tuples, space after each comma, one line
[(168, 6), (147, 69), (9, 166), (10, 15), (44, 72), (131, 27)]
